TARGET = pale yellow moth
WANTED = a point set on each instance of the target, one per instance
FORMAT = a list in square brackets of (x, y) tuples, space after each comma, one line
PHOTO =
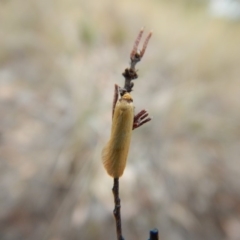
[(114, 154)]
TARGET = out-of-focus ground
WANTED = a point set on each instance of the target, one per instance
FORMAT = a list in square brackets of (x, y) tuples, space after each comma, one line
[(59, 61)]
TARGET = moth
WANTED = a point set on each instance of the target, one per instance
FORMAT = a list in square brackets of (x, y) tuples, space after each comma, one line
[(114, 154)]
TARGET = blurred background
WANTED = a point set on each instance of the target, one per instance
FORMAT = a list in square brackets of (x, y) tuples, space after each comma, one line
[(59, 61)]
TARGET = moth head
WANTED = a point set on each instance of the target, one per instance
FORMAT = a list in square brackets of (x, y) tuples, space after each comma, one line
[(127, 97)]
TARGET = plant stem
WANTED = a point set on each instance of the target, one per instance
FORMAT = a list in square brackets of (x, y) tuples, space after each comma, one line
[(117, 208)]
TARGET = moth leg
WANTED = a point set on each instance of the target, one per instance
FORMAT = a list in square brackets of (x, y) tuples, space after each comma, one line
[(140, 119), (115, 98)]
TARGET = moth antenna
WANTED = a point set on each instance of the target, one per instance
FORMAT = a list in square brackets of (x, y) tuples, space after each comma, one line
[(115, 97)]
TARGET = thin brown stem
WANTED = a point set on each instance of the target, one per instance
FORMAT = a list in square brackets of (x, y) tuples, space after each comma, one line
[(135, 56), (117, 208)]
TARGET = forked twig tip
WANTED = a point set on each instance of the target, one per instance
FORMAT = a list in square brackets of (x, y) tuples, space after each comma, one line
[(145, 44)]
